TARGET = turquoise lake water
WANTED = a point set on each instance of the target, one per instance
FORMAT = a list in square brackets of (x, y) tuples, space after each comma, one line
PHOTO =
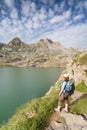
[(20, 85)]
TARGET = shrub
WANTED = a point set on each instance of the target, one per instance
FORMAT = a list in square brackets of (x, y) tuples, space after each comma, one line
[(83, 59), (80, 107), (81, 87)]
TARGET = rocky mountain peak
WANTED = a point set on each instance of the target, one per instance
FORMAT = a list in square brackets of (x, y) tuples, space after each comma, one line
[(16, 41), (46, 40)]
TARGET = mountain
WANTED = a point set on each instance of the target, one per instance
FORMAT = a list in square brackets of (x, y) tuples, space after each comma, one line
[(15, 45), (44, 53)]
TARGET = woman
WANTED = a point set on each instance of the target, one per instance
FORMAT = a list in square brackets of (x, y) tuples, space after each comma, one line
[(63, 95)]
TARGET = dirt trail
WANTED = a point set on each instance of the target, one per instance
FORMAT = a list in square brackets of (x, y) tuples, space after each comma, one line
[(77, 95), (68, 121)]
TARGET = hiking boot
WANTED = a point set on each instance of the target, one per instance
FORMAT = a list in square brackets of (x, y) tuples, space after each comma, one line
[(66, 110), (57, 109)]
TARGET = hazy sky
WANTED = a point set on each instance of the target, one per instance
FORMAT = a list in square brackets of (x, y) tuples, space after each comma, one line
[(30, 20)]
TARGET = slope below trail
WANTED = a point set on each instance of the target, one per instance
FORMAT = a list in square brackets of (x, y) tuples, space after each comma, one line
[(77, 95), (68, 121)]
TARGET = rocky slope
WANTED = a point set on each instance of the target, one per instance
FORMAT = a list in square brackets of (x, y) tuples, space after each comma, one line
[(77, 69), (42, 54), (68, 121)]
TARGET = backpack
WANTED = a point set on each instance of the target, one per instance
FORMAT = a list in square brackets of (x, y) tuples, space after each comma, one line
[(69, 87)]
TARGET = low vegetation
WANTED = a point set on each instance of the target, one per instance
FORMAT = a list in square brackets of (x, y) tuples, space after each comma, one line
[(34, 115), (80, 59), (81, 87), (80, 107), (83, 59)]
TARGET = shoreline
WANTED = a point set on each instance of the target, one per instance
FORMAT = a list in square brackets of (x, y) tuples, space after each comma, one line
[(27, 66)]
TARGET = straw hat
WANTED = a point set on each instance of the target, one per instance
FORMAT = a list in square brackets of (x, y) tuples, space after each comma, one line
[(66, 75)]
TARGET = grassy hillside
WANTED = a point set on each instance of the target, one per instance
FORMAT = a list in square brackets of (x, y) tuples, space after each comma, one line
[(34, 115), (80, 58), (80, 107), (81, 87), (83, 59)]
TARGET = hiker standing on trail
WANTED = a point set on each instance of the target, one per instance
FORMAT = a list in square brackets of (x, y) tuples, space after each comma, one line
[(63, 95)]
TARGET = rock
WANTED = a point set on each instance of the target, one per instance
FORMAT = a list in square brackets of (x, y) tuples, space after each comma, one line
[(74, 127), (56, 126), (69, 121), (84, 128), (74, 122)]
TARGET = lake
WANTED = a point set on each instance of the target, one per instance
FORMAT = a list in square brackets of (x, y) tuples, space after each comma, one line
[(20, 85)]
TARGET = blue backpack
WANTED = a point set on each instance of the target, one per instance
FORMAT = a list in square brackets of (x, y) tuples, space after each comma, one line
[(69, 87)]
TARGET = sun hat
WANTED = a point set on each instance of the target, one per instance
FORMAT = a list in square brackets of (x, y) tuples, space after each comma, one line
[(66, 75)]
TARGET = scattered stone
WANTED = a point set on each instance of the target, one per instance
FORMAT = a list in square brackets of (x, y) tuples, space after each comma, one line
[(30, 115), (84, 128), (68, 121)]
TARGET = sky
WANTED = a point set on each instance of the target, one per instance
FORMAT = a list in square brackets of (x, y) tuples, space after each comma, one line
[(31, 20)]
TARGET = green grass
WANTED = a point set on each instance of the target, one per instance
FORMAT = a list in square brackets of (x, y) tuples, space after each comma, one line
[(75, 61), (72, 71), (80, 107), (42, 109), (83, 59), (81, 87)]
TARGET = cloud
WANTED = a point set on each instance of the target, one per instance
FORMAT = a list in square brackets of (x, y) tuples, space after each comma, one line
[(44, 1), (14, 13), (29, 24), (70, 3), (51, 2), (78, 17), (61, 18), (25, 8), (79, 7), (61, 6), (3, 12), (9, 3), (67, 14), (42, 14), (57, 19), (85, 4), (75, 36), (5, 23), (33, 7), (55, 7), (51, 13)]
